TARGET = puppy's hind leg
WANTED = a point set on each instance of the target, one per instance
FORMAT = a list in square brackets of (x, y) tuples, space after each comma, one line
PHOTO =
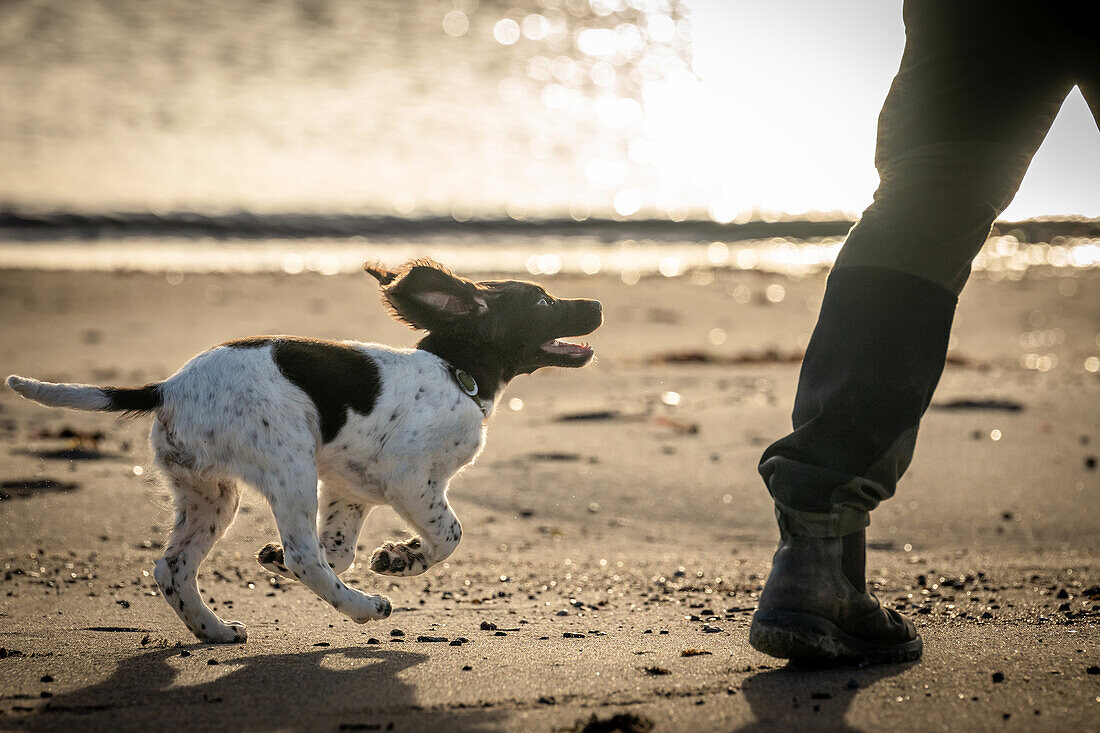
[(205, 508), (292, 492), (340, 524)]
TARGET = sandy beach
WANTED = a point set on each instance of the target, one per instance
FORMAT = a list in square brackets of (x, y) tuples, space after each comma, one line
[(616, 531)]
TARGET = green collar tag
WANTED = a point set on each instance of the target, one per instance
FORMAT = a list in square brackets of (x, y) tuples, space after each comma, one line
[(466, 382)]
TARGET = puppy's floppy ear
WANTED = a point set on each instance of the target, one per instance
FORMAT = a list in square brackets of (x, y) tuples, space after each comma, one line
[(379, 272), (425, 295)]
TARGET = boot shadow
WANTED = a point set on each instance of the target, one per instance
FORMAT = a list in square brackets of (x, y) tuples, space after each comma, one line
[(351, 688), (807, 698)]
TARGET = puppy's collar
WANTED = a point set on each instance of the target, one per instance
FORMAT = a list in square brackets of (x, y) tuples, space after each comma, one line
[(468, 385)]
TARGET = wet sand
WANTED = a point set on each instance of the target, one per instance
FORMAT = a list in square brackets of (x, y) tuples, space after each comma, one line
[(601, 549)]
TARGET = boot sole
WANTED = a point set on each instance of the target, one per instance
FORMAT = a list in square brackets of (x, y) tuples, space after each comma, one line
[(809, 639)]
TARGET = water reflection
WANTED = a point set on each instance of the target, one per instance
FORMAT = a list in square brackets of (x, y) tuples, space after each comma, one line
[(382, 106), (631, 259)]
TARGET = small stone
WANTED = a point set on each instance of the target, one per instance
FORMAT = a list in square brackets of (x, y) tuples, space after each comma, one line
[(185, 653), (1062, 594), (998, 676), (397, 632), (499, 633), (708, 629), (852, 683), (466, 668), (46, 678), (571, 635), (322, 643), (372, 640), (1093, 670), (431, 639), (212, 661), (561, 613), (488, 626), (656, 671)]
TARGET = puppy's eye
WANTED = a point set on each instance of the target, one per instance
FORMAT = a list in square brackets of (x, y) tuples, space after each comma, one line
[(543, 301)]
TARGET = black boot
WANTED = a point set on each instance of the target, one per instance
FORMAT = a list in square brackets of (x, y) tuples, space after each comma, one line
[(816, 608)]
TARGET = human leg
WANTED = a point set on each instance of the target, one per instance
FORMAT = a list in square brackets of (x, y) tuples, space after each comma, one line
[(956, 133)]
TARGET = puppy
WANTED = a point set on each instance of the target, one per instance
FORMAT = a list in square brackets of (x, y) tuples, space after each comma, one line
[(328, 430)]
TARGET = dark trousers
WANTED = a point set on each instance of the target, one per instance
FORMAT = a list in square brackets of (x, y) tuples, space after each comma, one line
[(978, 88)]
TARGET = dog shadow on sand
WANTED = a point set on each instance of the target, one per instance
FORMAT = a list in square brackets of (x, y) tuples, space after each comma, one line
[(351, 688), (802, 698)]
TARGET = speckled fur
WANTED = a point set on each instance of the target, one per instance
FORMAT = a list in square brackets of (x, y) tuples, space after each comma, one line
[(230, 414)]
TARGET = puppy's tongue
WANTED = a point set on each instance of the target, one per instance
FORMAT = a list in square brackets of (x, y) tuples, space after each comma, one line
[(566, 348)]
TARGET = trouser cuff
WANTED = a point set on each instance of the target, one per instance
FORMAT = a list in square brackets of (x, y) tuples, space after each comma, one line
[(843, 520)]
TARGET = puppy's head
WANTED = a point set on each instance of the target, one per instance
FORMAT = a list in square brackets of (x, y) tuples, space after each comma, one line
[(519, 323)]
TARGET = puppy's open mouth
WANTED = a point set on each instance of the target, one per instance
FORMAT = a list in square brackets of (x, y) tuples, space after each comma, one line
[(567, 348)]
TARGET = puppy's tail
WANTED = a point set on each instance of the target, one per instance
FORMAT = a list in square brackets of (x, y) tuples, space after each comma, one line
[(135, 401)]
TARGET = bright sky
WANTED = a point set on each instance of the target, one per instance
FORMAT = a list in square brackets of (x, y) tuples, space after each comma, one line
[(792, 92)]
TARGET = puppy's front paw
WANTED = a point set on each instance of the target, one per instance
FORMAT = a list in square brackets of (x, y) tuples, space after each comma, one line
[(232, 632), (369, 608), (399, 558)]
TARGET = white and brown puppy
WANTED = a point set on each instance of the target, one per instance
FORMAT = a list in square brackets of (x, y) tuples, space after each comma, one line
[(328, 430)]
